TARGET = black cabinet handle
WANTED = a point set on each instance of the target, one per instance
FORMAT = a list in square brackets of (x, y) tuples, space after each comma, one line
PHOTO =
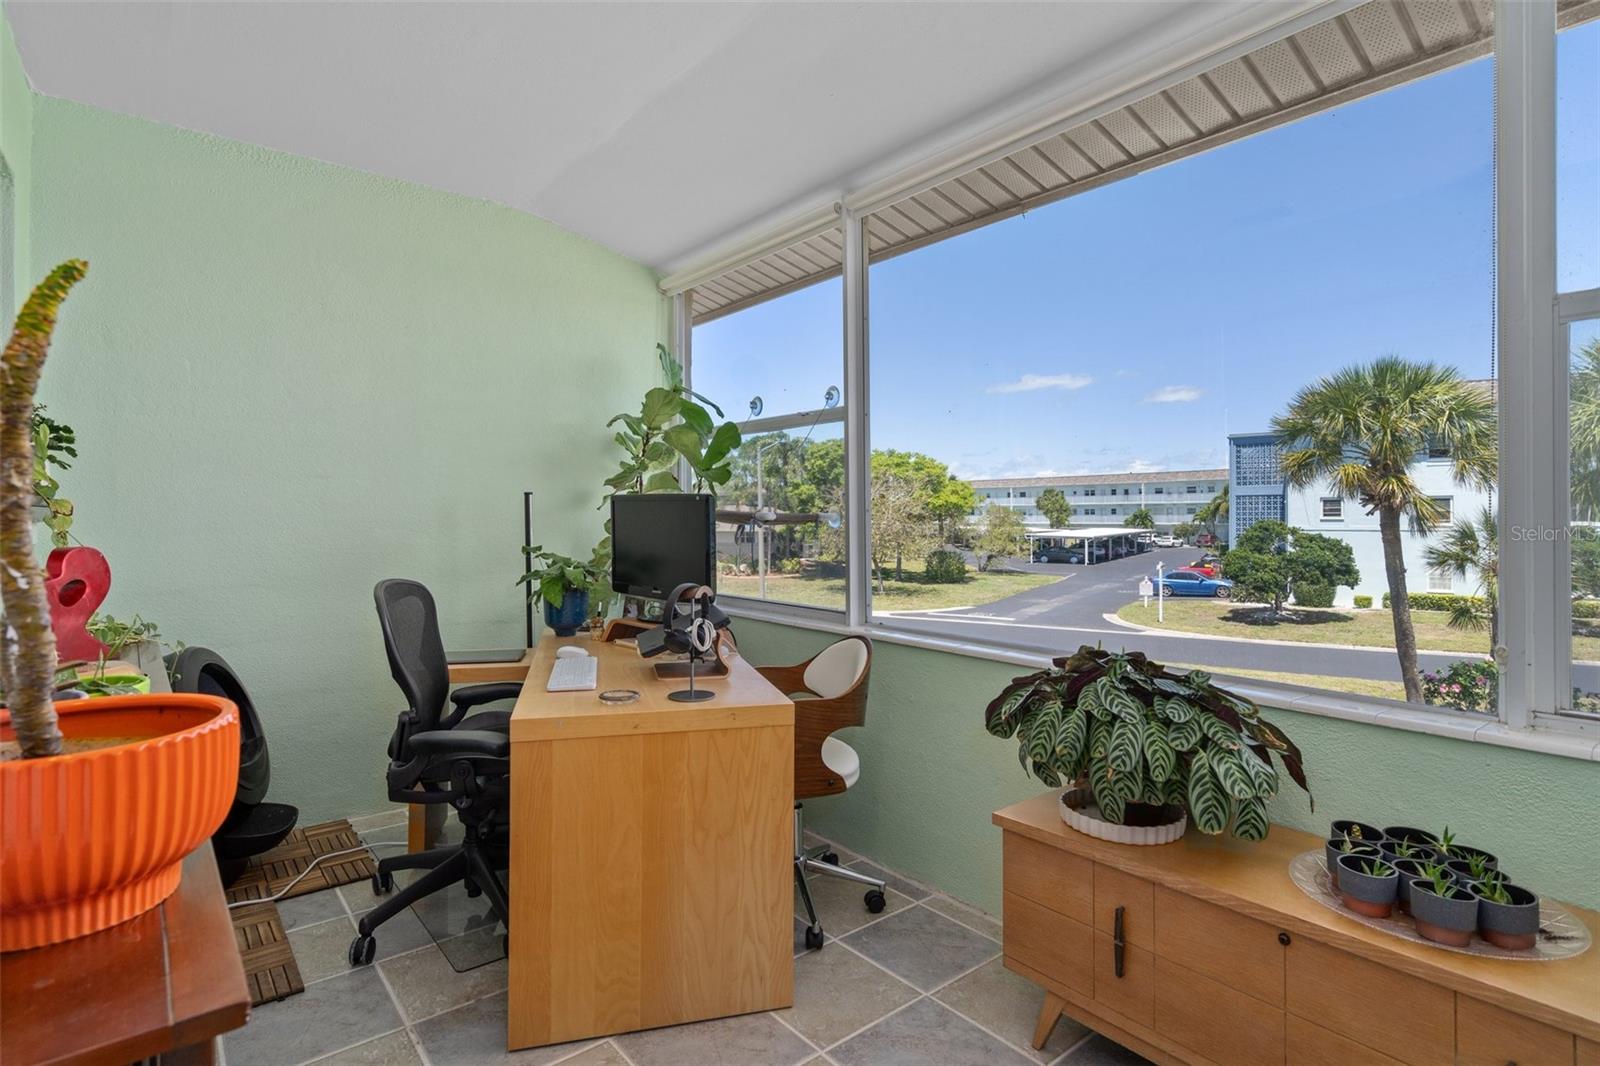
[(1283, 938), (1117, 942)]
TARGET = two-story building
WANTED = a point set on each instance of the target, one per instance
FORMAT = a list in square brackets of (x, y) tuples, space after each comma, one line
[(1257, 491), (1171, 496)]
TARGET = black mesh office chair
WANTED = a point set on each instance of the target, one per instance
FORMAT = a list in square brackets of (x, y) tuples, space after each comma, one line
[(458, 759)]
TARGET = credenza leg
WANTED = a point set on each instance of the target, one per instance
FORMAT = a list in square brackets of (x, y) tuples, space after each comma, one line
[(1049, 1014)]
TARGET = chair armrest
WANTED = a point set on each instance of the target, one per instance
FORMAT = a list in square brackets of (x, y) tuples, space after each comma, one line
[(472, 695), (464, 742)]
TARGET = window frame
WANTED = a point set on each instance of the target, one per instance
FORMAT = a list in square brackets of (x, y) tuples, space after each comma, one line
[(1338, 509), (1536, 666)]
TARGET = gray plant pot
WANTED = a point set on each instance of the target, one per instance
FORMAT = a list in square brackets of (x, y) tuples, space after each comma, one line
[(1513, 926), (1366, 834), (1463, 872), (1419, 852), (1410, 870), (1411, 833), (1445, 921), (1364, 893), (1333, 847), (1463, 852)]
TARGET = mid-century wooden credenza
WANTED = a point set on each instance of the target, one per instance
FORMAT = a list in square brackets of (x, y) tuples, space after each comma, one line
[(1203, 951)]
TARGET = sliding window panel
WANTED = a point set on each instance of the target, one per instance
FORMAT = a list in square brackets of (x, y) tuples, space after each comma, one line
[(1578, 153), (1134, 377), (777, 367), (1581, 538)]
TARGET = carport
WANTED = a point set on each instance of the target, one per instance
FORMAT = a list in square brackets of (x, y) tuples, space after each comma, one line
[(1095, 541)]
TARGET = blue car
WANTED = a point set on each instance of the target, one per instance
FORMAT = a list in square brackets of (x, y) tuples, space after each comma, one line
[(1189, 583)]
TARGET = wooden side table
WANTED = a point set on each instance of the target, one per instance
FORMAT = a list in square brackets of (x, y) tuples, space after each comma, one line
[(167, 984)]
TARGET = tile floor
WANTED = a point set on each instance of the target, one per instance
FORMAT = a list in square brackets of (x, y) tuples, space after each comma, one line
[(921, 983)]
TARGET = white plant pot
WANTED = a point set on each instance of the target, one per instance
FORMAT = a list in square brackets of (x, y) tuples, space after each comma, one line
[(1079, 811)]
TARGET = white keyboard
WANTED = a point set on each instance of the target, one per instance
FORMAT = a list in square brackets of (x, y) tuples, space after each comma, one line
[(572, 674)]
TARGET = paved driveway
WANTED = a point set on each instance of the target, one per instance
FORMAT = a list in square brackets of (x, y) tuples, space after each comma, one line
[(1057, 618)]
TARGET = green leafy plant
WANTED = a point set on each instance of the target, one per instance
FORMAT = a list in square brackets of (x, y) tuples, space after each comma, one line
[(1444, 841), (671, 426), (1352, 842), (1142, 734), (1363, 602), (1440, 883), (550, 575), (54, 444), (1492, 887), (1477, 866), (1404, 849), (1377, 868)]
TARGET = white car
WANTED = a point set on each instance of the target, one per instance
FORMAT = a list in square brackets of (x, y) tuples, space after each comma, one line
[(1167, 540)]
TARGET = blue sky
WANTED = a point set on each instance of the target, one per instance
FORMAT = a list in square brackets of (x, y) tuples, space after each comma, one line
[(1135, 326)]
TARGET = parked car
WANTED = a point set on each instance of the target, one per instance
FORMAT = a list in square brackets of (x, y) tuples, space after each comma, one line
[(1166, 540), (1193, 583), (1206, 565), (1054, 554)]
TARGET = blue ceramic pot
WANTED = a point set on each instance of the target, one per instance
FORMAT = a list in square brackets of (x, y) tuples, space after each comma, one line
[(568, 617)]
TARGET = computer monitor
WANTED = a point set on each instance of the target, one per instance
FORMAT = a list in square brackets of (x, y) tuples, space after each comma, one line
[(660, 540)]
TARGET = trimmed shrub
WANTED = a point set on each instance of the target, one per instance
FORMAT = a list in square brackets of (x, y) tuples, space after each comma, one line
[(1586, 608), (1434, 601), (1466, 685), (945, 567), (1313, 594), (1363, 601)]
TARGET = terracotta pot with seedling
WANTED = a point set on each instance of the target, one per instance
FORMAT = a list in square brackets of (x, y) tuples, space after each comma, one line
[(1368, 885), (1360, 832), (1409, 834), (1445, 912), (1410, 870), (1508, 915), (1473, 869), (1336, 847), (1405, 851)]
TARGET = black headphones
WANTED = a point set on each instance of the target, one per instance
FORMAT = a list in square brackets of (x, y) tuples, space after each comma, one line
[(692, 631)]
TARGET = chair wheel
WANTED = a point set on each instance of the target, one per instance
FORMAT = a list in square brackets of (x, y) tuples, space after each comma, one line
[(875, 901), (362, 949), (382, 882), (830, 857), (473, 891), (813, 937)]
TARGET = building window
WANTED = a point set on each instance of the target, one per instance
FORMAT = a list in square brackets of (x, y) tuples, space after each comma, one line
[(1332, 507), (1440, 580), (1158, 490), (1192, 489), (1443, 503)]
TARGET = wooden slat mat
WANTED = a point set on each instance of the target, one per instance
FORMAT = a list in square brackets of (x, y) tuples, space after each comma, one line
[(270, 871), (269, 966)]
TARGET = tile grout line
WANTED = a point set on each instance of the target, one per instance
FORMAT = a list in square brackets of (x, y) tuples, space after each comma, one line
[(622, 1051), (580, 1051), (808, 1041), (348, 1047), (876, 1021), (417, 1046), (1074, 1049)]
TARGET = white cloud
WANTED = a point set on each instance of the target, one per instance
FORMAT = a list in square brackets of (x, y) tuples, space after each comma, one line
[(1174, 394), (1036, 382), (1143, 466)]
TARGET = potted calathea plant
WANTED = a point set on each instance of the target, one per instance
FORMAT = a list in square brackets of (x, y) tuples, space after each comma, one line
[(102, 798), (1147, 741), (564, 584)]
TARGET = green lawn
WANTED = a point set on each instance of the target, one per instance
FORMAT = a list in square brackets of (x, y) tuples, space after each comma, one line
[(1371, 628), (1389, 690), (911, 594)]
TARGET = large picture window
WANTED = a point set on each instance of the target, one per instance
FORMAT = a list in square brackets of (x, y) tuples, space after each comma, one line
[(1235, 344)]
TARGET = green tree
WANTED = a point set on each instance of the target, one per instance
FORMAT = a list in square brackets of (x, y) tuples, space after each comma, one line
[(1004, 535), (1362, 429), (1141, 519), (900, 525), (1471, 548), (1583, 386), (1214, 512), (1272, 559), (952, 502), (1185, 530), (1586, 561), (1055, 507)]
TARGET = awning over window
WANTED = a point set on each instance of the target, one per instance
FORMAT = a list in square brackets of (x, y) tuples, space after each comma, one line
[(1367, 49)]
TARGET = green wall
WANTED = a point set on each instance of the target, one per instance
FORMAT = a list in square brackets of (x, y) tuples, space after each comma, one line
[(16, 148), (290, 380), (931, 776)]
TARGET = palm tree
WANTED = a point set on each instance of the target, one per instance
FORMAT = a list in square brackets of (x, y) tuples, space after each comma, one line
[(1363, 428), (1583, 386), (1214, 512), (1472, 548), (1141, 519)]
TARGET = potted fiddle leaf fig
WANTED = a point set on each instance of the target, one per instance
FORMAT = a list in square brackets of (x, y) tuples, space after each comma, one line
[(564, 584), (1148, 741), (104, 797)]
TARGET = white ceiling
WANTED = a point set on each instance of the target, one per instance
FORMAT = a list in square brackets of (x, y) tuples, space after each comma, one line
[(655, 129)]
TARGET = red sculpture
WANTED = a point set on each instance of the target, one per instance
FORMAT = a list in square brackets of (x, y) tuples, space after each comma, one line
[(76, 580)]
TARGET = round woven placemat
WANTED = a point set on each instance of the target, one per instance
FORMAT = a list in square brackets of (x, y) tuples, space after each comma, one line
[(1561, 936)]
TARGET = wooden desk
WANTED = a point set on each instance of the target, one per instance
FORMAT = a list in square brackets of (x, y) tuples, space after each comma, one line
[(651, 852), (1226, 961), (165, 983)]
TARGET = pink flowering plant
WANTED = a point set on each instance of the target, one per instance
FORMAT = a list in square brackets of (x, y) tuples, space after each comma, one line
[(1467, 685)]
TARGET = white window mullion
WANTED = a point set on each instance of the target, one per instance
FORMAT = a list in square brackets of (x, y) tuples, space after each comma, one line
[(682, 326), (1525, 299), (857, 436)]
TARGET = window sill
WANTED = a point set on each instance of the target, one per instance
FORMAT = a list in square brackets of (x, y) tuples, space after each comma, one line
[(1455, 725)]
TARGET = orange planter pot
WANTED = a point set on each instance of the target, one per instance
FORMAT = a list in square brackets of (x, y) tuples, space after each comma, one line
[(93, 838)]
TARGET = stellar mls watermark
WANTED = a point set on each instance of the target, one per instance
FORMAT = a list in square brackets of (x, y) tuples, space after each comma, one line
[(1542, 534)]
